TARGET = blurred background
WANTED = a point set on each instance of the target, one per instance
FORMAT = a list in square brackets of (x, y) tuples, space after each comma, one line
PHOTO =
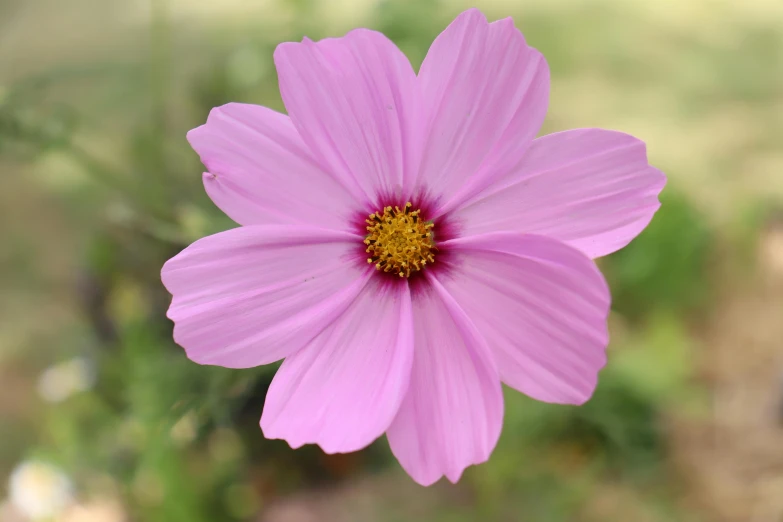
[(103, 419)]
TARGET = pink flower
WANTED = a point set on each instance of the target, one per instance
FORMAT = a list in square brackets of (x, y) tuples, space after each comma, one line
[(407, 245)]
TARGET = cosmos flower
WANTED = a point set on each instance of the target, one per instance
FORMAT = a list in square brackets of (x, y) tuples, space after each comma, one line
[(407, 244)]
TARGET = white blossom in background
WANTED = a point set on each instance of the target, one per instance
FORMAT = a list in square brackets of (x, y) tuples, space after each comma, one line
[(39, 490), (62, 380)]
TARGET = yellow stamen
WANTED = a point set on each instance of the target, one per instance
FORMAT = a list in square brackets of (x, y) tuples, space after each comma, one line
[(399, 241)]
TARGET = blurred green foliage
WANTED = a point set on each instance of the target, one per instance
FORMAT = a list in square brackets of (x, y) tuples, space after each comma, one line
[(550, 457), (667, 267)]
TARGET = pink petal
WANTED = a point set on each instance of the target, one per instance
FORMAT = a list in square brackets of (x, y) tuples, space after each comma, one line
[(453, 411), (354, 102), (260, 171), (344, 389), (485, 94), (253, 295), (542, 307), (591, 188)]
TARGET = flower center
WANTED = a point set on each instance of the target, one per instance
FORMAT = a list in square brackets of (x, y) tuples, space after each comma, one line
[(399, 241)]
